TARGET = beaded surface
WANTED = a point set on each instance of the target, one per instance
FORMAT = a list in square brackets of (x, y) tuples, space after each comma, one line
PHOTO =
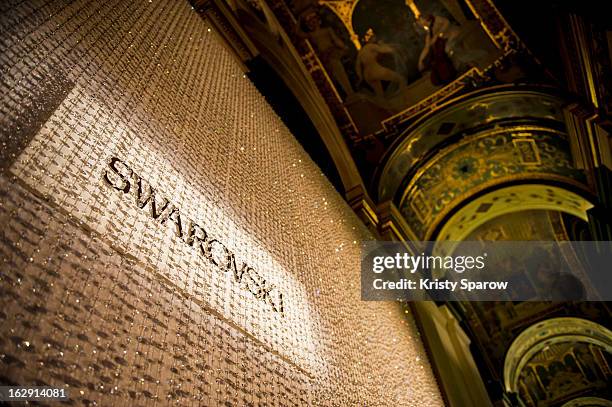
[(101, 299)]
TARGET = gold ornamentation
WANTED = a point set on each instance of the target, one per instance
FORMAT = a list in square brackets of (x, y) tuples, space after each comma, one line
[(477, 163), (420, 206), (344, 10), (527, 150)]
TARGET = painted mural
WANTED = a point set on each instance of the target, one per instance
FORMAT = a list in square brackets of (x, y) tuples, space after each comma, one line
[(383, 56)]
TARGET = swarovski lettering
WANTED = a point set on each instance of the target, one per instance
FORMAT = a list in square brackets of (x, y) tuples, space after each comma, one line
[(121, 177)]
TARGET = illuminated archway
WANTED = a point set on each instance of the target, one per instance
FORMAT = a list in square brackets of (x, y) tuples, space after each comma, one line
[(511, 199), (540, 336)]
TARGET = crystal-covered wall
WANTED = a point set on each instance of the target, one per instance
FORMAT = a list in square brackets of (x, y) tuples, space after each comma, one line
[(125, 308)]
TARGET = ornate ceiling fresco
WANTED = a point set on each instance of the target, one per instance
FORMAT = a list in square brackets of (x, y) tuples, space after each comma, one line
[(380, 63), (379, 66)]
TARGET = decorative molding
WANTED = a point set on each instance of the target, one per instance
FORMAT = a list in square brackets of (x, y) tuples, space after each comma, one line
[(494, 24), (392, 226), (363, 206), (504, 200), (432, 102), (464, 114), (590, 141)]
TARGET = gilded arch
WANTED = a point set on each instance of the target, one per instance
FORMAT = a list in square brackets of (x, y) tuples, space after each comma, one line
[(511, 199), (538, 337)]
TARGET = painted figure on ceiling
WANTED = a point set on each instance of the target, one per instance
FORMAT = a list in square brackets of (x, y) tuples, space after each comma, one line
[(329, 47), (371, 71), (445, 51), (440, 40)]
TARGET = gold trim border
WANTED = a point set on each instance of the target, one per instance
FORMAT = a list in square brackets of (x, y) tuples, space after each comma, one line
[(495, 92), (440, 154)]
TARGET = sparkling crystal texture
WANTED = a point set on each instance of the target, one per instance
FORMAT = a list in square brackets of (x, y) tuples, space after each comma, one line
[(99, 298)]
